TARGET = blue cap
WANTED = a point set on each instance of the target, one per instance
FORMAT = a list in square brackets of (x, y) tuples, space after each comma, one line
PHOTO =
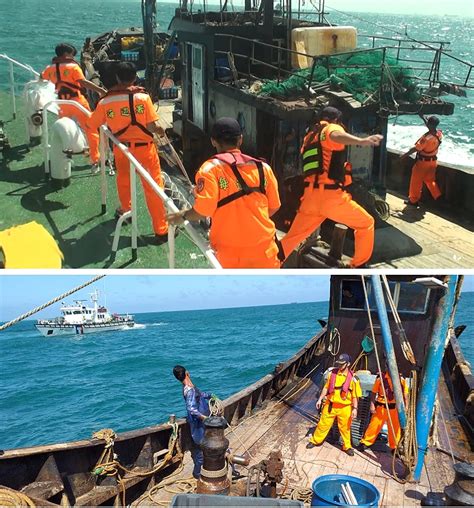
[(343, 358)]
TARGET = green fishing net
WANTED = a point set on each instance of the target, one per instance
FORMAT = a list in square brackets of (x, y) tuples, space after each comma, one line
[(359, 74)]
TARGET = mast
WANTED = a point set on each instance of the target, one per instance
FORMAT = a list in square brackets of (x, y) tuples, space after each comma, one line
[(431, 371), (388, 349), (149, 23)]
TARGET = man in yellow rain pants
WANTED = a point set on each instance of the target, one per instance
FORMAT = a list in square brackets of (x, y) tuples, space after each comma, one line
[(340, 399), (378, 408)]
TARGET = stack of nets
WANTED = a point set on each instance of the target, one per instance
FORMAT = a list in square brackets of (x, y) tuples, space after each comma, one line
[(359, 74)]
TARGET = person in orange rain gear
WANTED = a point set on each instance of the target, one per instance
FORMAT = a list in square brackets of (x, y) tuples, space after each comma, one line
[(240, 194), (128, 112), (69, 80), (424, 169), (325, 174), (378, 408), (339, 399)]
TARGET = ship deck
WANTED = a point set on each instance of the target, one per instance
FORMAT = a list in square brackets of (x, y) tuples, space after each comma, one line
[(287, 425), (411, 238)]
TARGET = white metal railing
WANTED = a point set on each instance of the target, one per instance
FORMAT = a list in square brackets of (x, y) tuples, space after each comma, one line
[(136, 167), (26, 67)]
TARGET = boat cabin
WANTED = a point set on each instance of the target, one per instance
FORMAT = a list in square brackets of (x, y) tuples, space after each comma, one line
[(273, 71)]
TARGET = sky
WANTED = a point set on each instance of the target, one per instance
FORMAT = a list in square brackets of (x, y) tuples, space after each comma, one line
[(429, 7), (158, 293)]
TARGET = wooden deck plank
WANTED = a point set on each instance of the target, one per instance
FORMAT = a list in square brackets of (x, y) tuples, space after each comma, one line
[(443, 243)]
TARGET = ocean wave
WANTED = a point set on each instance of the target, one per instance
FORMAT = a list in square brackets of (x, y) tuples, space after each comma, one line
[(455, 149)]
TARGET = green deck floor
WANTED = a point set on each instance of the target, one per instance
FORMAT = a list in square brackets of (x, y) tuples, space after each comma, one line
[(73, 214)]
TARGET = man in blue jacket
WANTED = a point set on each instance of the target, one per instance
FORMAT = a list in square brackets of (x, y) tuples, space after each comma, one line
[(197, 406)]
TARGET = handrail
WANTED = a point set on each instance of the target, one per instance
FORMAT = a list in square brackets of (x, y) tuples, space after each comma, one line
[(135, 167), (26, 67)]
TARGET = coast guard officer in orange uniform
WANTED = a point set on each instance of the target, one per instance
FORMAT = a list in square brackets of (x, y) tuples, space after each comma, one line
[(325, 175), (240, 194), (379, 412), (69, 80), (424, 169), (339, 399), (129, 113)]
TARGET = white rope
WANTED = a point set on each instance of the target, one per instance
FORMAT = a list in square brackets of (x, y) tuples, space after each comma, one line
[(47, 304)]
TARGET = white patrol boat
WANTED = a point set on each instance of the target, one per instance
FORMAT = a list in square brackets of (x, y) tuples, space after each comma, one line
[(78, 319)]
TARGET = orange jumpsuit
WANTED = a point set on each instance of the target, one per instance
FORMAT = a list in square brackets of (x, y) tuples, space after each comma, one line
[(424, 170), (381, 415), (319, 203), (71, 73), (242, 233), (114, 110), (341, 409)]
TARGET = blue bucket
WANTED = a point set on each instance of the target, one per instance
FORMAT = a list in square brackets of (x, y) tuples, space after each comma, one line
[(327, 491)]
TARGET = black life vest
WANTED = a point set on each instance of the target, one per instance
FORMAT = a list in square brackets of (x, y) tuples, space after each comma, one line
[(233, 160), (130, 91), (65, 89), (313, 158)]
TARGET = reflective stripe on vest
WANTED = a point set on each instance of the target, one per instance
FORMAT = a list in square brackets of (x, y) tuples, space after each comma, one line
[(245, 189), (313, 154)]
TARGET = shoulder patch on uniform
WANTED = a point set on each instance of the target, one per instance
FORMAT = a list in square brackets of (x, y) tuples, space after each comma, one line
[(223, 183), (200, 184)]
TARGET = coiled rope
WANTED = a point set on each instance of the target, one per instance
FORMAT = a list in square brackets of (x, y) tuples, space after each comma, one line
[(108, 464), (10, 497), (50, 302)]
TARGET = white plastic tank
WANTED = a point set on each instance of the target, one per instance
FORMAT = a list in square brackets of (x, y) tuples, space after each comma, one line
[(321, 41), (36, 95), (66, 140)]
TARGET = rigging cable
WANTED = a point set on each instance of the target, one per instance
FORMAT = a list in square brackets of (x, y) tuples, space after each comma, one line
[(404, 343), (50, 302)]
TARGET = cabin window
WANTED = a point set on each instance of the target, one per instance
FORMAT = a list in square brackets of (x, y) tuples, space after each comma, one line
[(412, 298), (197, 64), (77, 312), (408, 297)]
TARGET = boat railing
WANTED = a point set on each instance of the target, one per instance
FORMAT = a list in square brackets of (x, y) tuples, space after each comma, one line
[(12, 64), (135, 167), (248, 52), (407, 46)]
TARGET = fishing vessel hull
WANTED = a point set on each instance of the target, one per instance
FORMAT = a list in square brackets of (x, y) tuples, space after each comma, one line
[(54, 330), (63, 473)]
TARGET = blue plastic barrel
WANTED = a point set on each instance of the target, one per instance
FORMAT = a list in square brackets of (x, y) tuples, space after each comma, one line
[(327, 491)]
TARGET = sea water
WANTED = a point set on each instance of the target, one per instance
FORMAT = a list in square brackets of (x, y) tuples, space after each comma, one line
[(65, 388), (30, 29)]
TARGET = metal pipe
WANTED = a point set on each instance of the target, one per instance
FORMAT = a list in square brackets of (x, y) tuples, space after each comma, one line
[(133, 209), (431, 371), (103, 178), (388, 349), (167, 201), (12, 88)]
